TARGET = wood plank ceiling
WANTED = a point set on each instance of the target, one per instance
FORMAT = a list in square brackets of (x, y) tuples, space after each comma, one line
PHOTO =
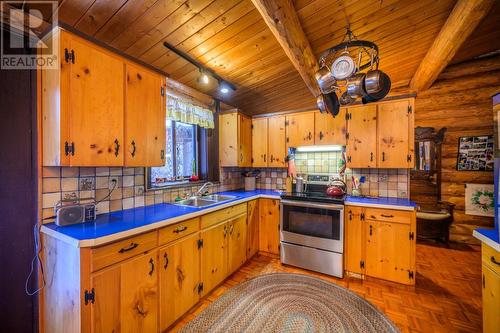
[(230, 37)]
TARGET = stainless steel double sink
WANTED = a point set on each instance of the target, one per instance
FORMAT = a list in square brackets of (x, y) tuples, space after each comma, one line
[(206, 200)]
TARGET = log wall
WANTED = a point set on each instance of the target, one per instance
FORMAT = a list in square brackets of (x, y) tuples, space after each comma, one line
[(461, 101)]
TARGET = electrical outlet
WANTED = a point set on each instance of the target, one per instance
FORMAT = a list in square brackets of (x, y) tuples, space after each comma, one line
[(113, 182)]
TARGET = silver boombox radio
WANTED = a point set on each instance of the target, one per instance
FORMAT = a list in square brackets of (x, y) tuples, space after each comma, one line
[(73, 211)]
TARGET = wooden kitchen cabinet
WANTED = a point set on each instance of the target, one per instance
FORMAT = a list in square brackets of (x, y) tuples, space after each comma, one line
[(395, 136), (260, 155), (362, 136), (179, 278), (213, 256), (354, 239), (491, 288), (235, 140), (491, 300), (330, 130), (252, 228), (95, 104), (237, 243), (390, 247), (300, 129), (127, 296), (277, 142), (269, 236), (145, 114), (380, 243)]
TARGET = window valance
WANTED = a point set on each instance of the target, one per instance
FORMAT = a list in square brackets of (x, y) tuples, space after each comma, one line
[(186, 112)]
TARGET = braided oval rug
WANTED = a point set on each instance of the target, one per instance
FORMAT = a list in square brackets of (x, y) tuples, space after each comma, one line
[(284, 302)]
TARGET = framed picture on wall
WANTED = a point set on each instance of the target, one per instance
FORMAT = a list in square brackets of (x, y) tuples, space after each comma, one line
[(479, 199), (475, 153)]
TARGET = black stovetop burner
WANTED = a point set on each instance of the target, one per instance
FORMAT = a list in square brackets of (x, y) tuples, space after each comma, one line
[(313, 196)]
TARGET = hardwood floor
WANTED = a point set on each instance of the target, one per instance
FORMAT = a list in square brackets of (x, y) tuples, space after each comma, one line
[(446, 298)]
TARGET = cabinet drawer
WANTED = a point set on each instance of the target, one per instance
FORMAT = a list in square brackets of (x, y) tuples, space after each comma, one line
[(222, 215), (491, 258), (178, 230), (115, 252), (388, 215)]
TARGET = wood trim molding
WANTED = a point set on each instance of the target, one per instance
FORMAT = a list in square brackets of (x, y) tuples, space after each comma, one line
[(464, 18), (282, 19)]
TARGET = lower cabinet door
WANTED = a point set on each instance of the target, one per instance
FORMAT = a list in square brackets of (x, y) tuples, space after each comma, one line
[(179, 269), (126, 296), (354, 240), (269, 224), (213, 256), (237, 243), (252, 228), (491, 300), (388, 251)]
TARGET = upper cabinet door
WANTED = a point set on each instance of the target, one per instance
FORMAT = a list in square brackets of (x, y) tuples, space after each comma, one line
[(329, 130), (96, 107), (144, 117), (228, 139), (362, 137), (260, 156), (244, 141), (394, 135), (300, 129), (276, 142)]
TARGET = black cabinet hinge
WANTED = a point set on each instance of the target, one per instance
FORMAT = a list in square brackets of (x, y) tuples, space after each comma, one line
[(362, 216), (69, 56), (286, 122), (408, 158), (200, 243), (69, 148), (162, 154), (412, 235), (200, 287), (361, 264), (349, 159), (347, 136), (162, 91), (410, 109), (287, 140), (348, 116), (410, 275), (251, 126), (89, 296), (252, 159)]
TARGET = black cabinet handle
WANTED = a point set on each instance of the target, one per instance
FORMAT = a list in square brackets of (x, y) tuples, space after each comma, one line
[(321, 135), (390, 216), (133, 148), (152, 263), (371, 157), (180, 229), (350, 215), (272, 158), (130, 247), (383, 156), (310, 136), (165, 255), (371, 230), (264, 157), (117, 147), (493, 260)]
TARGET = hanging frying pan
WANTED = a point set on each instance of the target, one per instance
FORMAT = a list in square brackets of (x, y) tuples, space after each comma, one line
[(328, 103)]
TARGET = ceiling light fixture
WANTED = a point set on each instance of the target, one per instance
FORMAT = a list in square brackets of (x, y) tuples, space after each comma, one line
[(224, 86)]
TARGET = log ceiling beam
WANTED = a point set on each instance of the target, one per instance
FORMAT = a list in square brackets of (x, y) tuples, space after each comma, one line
[(463, 19), (282, 19)]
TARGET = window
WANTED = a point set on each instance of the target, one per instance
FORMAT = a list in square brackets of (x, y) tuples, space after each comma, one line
[(182, 156)]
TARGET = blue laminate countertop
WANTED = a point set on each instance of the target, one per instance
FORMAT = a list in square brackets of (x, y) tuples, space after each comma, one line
[(390, 203), (489, 237), (121, 224)]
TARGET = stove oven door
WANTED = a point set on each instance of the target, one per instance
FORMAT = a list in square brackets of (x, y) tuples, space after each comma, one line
[(317, 225)]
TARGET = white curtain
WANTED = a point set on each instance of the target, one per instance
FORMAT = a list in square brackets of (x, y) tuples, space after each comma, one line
[(186, 112)]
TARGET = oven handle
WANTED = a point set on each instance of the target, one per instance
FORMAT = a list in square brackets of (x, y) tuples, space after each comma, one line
[(312, 205)]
